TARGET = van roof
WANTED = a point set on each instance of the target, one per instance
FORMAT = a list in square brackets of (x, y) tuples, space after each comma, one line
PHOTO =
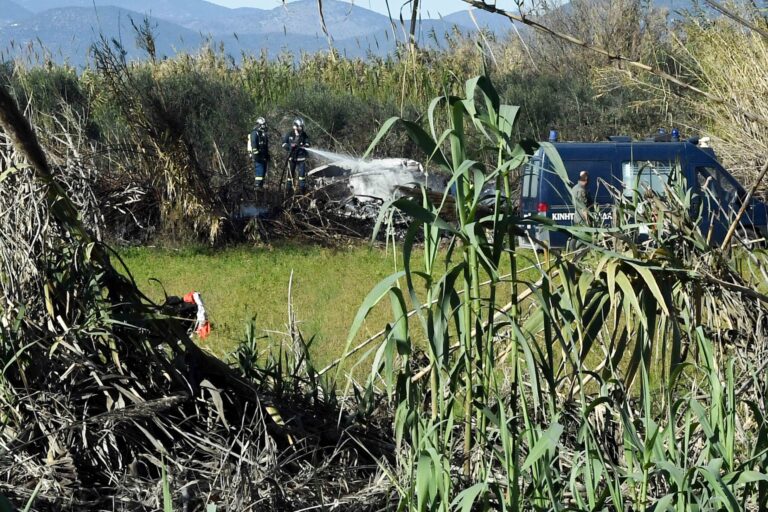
[(572, 149), (613, 144)]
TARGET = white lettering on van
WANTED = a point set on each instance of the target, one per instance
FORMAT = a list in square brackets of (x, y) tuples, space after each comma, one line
[(569, 216)]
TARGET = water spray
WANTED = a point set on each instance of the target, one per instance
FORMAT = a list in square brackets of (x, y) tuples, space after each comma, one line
[(358, 166), (340, 159)]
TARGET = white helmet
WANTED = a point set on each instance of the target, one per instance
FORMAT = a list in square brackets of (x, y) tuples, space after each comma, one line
[(298, 123), (261, 123)]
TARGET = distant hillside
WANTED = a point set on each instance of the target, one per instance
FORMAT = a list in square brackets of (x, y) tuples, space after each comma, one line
[(493, 22), (342, 19), (675, 5), (11, 12), (677, 9), (176, 11), (68, 33)]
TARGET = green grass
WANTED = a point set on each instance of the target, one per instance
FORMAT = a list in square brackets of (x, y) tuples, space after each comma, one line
[(241, 282)]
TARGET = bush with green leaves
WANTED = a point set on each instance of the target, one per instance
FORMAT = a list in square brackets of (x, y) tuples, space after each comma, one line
[(625, 380), (172, 131)]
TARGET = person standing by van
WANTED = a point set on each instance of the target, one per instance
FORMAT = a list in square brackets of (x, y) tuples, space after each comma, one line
[(582, 202)]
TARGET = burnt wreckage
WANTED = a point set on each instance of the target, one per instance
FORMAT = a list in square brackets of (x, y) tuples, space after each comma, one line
[(345, 196), (358, 189)]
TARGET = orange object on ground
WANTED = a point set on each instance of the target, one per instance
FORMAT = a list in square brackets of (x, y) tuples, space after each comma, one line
[(204, 330), (202, 325)]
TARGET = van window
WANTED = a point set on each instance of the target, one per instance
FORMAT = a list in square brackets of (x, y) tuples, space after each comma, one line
[(653, 174), (725, 191), (724, 181), (531, 178)]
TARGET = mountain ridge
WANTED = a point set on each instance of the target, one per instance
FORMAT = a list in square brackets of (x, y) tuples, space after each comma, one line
[(67, 32), (11, 12), (184, 25)]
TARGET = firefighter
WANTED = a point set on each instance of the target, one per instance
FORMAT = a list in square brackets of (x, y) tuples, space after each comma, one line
[(258, 147), (295, 143)]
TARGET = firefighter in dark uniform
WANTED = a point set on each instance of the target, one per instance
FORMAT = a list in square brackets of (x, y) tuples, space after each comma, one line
[(258, 147), (295, 143)]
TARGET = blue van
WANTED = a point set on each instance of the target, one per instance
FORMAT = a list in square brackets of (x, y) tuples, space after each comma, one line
[(628, 166)]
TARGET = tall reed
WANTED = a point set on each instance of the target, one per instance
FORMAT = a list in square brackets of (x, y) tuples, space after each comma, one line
[(611, 385)]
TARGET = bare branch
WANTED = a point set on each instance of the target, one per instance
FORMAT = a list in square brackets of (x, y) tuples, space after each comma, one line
[(23, 137), (744, 205), (735, 17), (325, 28), (414, 17)]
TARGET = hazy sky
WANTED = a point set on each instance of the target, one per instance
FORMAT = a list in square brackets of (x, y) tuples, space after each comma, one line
[(430, 8)]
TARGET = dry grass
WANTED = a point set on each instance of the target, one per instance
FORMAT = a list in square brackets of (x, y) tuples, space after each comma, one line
[(726, 59), (108, 404)]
